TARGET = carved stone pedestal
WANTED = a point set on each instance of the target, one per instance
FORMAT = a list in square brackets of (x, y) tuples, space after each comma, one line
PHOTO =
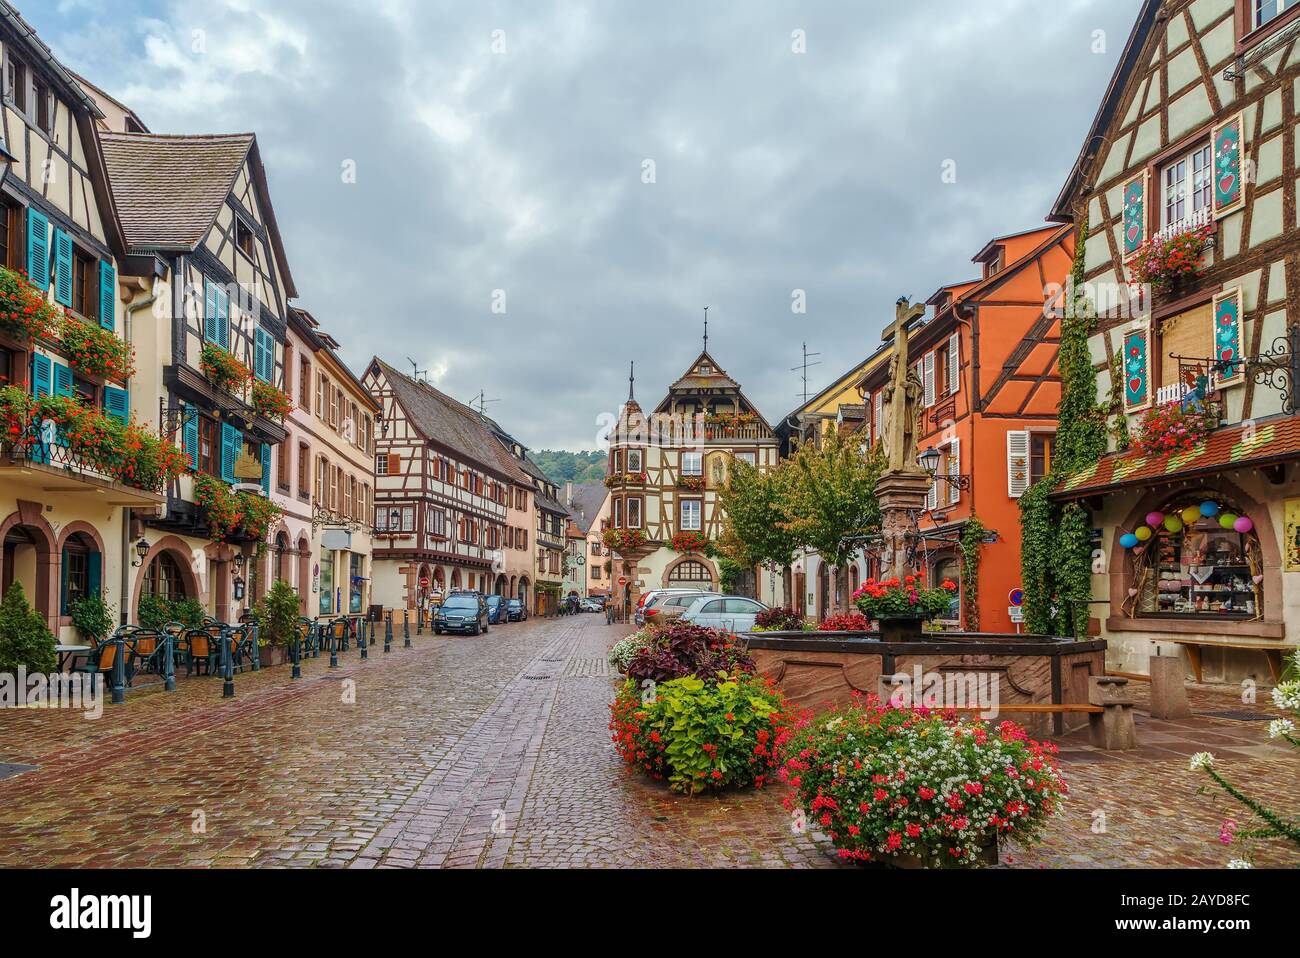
[(902, 496)]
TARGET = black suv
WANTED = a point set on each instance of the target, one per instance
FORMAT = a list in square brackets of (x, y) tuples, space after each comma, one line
[(461, 612)]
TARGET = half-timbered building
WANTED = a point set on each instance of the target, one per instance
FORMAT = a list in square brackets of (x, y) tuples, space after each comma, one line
[(986, 357), (62, 517), (442, 494), (210, 284), (1195, 145), (665, 472)]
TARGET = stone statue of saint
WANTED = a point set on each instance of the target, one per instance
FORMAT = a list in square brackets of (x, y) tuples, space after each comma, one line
[(902, 395)]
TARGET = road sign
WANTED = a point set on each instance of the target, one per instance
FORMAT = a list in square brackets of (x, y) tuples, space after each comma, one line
[(1017, 614), (622, 580), (424, 582), (1017, 597)]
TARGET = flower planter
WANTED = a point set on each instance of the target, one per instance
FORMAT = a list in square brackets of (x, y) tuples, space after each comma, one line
[(901, 628), (986, 857), (273, 655)]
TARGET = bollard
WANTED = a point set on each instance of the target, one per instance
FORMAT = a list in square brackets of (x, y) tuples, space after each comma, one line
[(257, 651), (388, 632), (361, 641), (1113, 729), (119, 670), (169, 663), (419, 622), (1168, 688), (227, 667), (406, 629), (334, 647), (370, 624)]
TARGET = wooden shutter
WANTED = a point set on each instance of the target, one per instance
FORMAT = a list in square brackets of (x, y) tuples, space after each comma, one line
[(107, 295), (62, 380), (210, 312), (232, 443), (62, 267), (1187, 334), (266, 468), (880, 415), (932, 496), (1135, 212), (40, 375), (190, 438), (954, 363), (117, 404), (928, 378), (1227, 335), (1227, 141), (954, 469), (94, 573), (1017, 462), (38, 249), (1137, 368), (394, 464)]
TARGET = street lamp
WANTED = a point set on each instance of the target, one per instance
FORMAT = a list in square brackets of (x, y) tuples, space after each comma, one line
[(141, 550), (929, 460)]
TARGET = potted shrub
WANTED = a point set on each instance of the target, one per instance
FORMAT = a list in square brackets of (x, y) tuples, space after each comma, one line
[(276, 614), (901, 605), (780, 620), (920, 790), (25, 640), (92, 617)]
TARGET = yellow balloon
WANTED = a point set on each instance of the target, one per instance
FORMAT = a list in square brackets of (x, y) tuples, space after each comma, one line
[(1143, 533), (1191, 514)]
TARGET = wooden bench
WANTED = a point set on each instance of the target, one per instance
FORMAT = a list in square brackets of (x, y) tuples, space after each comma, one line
[(1272, 650), (1044, 709)]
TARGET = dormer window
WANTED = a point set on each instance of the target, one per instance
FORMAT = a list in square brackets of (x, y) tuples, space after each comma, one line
[(16, 75), (244, 237), (993, 265), (44, 107)]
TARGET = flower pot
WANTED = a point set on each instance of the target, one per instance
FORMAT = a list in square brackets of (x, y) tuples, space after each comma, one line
[(986, 857), (901, 628)]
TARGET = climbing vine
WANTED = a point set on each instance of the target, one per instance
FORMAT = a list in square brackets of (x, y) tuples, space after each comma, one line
[(1056, 542), (972, 536), (1118, 422)]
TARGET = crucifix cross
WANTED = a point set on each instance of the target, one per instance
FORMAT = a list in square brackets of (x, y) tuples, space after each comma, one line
[(904, 316)]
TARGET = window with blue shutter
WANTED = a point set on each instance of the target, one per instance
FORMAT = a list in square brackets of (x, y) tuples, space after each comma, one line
[(266, 469), (263, 355), (223, 317), (232, 444), (210, 311), (62, 379), (38, 249), (117, 404), (107, 295), (94, 573), (190, 438), (40, 375), (62, 267)]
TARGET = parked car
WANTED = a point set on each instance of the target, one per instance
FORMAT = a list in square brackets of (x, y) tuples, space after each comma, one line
[(462, 612), (733, 613), (648, 597), (671, 605), (496, 606), (515, 611), (591, 604)]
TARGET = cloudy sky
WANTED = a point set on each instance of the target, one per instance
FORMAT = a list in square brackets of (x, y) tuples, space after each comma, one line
[(602, 170)]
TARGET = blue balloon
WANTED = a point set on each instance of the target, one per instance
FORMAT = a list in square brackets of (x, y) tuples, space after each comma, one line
[(1128, 540), (1209, 508)]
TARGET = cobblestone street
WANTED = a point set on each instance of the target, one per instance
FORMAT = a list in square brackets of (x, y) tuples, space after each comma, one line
[(493, 751)]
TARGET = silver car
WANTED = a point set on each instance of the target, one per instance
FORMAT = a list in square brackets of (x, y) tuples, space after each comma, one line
[(732, 613), (647, 598), (669, 606)]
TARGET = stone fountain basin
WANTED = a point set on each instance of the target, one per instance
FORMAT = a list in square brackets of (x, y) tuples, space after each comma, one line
[(818, 669)]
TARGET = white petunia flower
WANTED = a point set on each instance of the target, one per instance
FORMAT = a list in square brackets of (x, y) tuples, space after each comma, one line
[(1240, 863), (1201, 760), (1279, 727)]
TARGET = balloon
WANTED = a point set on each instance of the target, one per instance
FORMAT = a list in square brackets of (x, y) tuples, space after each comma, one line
[(1155, 518), (1209, 508), (1227, 520), (1191, 514), (1243, 524), (1143, 533), (1128, 540), (1173, 523)]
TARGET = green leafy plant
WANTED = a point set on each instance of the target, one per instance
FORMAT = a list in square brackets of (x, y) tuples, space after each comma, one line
[(25, 639), (267, 400), (223, 370), (154, 612), (277, 615), (907, 597), (701, 734), (970, 544), (92, 616)]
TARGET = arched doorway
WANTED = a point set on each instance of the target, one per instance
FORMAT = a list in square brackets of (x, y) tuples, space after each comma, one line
[(689, 574), (502, 586), (823, 590), (855, 578), (523, 590), (282, 558), (81, 567), (304, 573), (28, 557), (166, 573), (455, 579)]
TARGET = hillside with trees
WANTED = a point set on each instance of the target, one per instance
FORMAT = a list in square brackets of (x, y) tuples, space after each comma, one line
[(561, 466)]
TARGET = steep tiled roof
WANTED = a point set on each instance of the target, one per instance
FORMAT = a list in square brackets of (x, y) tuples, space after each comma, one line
[(169, 189), (1272, 440), (588, 500), (455, 425)]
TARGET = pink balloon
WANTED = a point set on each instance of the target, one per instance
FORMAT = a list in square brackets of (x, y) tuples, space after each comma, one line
[(1243, 524), (1155, 518)]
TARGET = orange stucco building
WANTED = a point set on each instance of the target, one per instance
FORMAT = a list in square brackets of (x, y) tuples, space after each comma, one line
[(987, 357)]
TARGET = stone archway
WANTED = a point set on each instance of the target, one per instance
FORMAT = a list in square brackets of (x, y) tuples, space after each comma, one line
[(502, 586), (523, 590), (304, 573), (691, 572), (29, 555), (455, 579), (181, 554)]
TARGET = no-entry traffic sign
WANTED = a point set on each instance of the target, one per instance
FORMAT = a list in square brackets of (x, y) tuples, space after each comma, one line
[(1017, 596)]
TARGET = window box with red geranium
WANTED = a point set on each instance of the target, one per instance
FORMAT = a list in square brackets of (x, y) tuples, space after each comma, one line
[(25, 313), (690, 542), (270, 401), (626, 479), (96, 351), (1173, 427), (1167, 262), (223, 370), (622, 539), (691, 483), (233, 515)]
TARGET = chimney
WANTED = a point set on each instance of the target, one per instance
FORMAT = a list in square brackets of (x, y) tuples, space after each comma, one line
[(568, 492)]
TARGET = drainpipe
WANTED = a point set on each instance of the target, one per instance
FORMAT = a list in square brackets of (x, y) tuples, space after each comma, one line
[(125, 608)]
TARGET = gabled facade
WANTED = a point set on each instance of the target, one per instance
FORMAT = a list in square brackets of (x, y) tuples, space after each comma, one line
[(62, 519), (588, 504), (1195, 137), (665, 472), (987, 360), (208, 278), (443, 501)]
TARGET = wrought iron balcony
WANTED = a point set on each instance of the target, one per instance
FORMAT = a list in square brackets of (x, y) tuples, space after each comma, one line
[(37, 464)]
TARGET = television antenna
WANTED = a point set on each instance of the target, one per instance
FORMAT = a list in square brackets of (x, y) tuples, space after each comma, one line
[(804, 367), (418, 374), (481, 402)]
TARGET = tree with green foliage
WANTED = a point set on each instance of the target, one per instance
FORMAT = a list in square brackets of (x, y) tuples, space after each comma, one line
[(831, 497), (1056, 541), (92, 616), (276, 614), (755, 531), (561, 466), (25, 640)]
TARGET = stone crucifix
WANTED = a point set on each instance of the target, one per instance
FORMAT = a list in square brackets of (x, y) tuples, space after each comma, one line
[(902, 395)]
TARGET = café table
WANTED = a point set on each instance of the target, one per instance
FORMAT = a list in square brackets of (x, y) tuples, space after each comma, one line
[(66, 652)]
